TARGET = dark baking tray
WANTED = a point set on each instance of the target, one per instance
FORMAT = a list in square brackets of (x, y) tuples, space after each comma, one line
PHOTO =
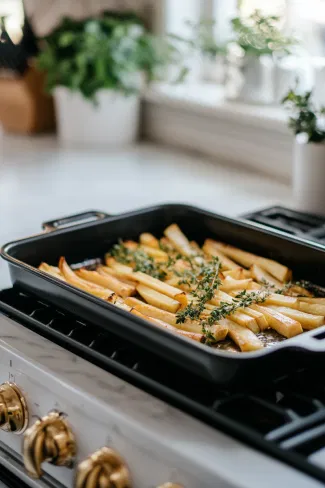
[(91, 239)]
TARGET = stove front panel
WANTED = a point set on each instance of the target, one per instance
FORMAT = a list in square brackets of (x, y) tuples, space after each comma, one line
[(150, 457), (158, 442)]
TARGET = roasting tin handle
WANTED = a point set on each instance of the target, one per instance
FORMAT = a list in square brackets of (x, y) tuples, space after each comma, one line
[(80, 218), (313, 341)]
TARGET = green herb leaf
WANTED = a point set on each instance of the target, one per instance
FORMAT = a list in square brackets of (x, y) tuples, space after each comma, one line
[(260, 35), (107, 52), (139, 260)]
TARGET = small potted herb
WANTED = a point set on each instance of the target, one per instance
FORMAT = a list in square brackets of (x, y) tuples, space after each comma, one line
[(258, 40), (204, 49), (308, 125), (212, 52), (96, 69)]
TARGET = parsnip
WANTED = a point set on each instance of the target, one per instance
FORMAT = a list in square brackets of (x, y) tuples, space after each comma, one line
[(307, 320), (244, 338), (107, 281), (281, 323), (157, 299), (247, 259)]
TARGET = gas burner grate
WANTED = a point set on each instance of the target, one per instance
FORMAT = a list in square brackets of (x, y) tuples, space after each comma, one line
[(306, 226), (285, 419)]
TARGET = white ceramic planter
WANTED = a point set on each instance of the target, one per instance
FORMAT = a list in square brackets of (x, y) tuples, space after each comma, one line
[(318, 89), (215, 69), (309, 177), (258, 83), (113, 121)]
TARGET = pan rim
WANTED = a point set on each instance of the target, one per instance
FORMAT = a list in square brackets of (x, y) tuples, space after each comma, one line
[(290, 343)]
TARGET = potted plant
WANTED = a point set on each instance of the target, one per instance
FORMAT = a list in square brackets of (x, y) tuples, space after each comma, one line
[(308, 126), (258, 40), (213, 53), (204, 50), (96, 69)]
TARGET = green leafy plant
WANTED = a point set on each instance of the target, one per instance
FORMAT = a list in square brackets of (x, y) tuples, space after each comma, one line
[(112, 51), (305, 120), (259, 35)]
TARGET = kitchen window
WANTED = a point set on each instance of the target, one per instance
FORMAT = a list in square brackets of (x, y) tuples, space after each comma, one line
[(305, 20), (197, 115)]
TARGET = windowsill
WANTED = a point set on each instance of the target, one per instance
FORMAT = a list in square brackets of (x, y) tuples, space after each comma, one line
[(208, 99), (198, 117)]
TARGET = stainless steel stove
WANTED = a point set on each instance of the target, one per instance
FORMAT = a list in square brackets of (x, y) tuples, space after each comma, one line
[(106, 413)]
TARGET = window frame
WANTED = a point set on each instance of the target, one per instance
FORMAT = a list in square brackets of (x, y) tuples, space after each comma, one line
[(253, 137)]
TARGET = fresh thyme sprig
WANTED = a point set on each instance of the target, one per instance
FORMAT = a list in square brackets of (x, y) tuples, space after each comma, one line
[(139, 260), (207, 283), (209, 338), (279, 291), (190, 276), (317, 291), (241, 300), (286, 287)]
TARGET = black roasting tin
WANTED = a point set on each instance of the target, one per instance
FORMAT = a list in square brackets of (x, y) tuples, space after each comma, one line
[(90, 240)]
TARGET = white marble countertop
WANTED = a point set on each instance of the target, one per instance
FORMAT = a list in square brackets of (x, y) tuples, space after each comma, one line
[(39, 180)]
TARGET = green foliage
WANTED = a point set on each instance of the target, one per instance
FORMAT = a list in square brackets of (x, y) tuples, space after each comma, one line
[(304, 118), (241, 300), (207, 282), (111, 51), (259, 35), (139, 260)]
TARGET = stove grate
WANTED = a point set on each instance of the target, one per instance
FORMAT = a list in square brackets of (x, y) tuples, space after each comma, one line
[(306, 226), (285, 419)]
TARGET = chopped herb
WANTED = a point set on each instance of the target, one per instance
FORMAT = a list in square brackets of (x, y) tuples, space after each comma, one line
[(138, 259), (170, 262), (121, 253), (198, 268), (164, 247)]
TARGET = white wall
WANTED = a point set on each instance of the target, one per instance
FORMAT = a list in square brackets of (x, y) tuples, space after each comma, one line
[(45, 14)]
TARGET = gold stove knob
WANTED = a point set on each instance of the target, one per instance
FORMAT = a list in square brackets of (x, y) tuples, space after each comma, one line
[(170, 485), (49, 439), (103, 469), (13, 409)]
